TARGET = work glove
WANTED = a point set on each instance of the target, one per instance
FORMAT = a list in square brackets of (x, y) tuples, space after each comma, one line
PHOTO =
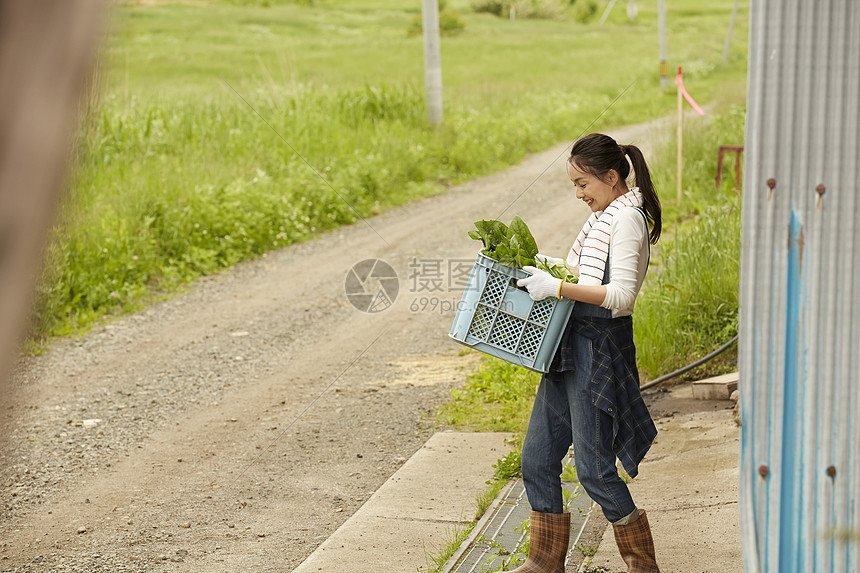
[(549, 260), (541, 284)]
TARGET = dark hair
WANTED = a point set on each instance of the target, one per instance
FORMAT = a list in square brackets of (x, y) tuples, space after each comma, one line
[(597, 154)]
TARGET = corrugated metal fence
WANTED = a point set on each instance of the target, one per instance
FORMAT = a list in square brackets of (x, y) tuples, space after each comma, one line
[(800, 281)]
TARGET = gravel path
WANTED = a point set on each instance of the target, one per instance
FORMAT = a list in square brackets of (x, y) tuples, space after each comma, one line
[(236, 425)]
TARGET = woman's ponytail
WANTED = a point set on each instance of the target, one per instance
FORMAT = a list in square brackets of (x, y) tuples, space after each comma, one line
[(597, 153), (653, 211)]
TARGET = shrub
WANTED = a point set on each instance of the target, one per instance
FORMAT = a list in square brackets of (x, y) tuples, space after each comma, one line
[(585, 11), (539, 9), (495, 7), (532, 9), (450, 23)]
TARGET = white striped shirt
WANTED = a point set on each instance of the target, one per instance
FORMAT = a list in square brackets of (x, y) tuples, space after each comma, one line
[(623, 227)]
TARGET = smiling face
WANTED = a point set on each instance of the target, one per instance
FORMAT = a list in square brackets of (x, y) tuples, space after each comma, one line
[(594, 191)]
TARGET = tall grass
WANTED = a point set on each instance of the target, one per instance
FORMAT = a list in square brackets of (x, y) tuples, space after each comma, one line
[(690, 305), (689, 302)]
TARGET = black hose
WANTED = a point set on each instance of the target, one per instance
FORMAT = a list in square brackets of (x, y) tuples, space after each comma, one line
[(688, 367)]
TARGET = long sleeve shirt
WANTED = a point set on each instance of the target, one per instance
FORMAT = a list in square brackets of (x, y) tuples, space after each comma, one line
[(629, 251)]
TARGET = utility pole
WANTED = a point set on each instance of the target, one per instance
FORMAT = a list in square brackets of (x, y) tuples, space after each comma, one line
[(432, 61), (731, 29), (664, 67)]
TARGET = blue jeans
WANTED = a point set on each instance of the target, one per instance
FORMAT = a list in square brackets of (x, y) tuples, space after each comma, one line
[(550, 434)]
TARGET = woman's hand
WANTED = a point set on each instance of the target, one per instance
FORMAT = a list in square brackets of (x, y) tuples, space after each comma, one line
[(541, 284)]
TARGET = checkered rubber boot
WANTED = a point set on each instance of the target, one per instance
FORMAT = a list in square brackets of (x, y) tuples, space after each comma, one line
[(550, 536), (636, 545)]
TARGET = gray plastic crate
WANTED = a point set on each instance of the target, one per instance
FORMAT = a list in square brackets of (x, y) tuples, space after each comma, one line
[(499, 318)]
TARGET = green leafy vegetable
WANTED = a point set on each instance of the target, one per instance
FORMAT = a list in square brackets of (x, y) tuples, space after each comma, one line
[(513, 245), (558, 271), (491, 233)]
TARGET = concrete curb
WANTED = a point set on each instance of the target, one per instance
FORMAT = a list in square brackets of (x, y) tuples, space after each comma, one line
[(479, 528), (433, 493)]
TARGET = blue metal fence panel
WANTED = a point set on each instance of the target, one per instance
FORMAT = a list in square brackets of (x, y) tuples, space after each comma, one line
[(800, 264)]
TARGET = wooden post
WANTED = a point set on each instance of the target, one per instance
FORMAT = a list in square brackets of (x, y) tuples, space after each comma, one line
[(680, 135), (432, 61), (664, 70)]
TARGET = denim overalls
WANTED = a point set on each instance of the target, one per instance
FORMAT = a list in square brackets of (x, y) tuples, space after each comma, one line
[(564, 413)]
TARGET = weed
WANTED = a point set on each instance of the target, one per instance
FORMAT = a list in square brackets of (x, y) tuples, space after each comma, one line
[(497, 398), (456, 536), (503, 559), (568, 472), (486, 498), (508, 467)]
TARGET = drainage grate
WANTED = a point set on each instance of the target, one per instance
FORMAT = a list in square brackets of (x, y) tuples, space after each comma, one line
[(501, 527)]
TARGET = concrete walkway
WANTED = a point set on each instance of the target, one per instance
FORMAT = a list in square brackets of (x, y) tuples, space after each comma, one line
[(688, 484), (415, 512)]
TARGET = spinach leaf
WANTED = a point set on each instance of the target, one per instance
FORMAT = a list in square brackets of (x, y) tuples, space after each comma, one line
[(491, 233), (505, 255), (513, 245), (524, 237)]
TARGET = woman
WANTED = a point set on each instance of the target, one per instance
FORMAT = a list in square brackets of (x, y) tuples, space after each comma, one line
[(590, 398)]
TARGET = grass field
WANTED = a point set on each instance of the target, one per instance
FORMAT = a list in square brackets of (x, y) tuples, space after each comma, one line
[(178, 177), (175, 52)]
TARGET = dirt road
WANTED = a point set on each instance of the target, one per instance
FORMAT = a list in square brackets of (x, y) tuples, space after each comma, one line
[(235, 426)]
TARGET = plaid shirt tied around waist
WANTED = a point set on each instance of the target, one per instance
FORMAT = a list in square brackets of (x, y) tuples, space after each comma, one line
[(614, 382)]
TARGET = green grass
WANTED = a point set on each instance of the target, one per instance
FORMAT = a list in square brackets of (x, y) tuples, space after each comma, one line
[(436, 559), (497, 398), (181, 52), (178, 177)]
